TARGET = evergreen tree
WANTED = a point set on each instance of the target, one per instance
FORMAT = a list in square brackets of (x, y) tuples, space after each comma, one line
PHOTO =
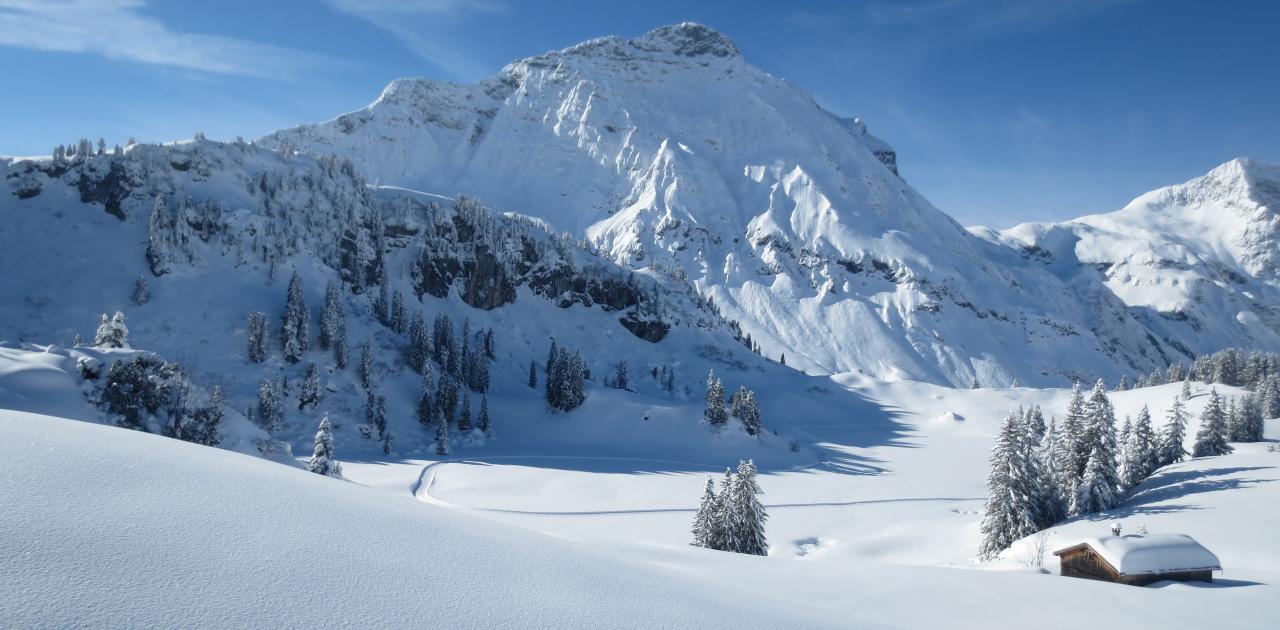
[(387, 438), (141, 292), (1034, 423), (322, 460), (1072, 443), (1139, 454), (484, 423), (271, 405), (1123, 384), (257, 336), (297, 321), (112, 333), (1185, 393), (1253, 420), (366, 364), (974, 384), (714, 412), (310, 388), (1096, 492), (1235, 421), (1008, 515), (1170, 449), (1054, 504), (704, 520), (160, 239), (399, 316), (426, 404), (446, 396), (748, 514), (328, 325), (419, 343), (533, 374), (442, 431), (464, 420), (1211, 439), (1100, 474), (1270, 396), (750, 412), (723, 536), (339, 342)]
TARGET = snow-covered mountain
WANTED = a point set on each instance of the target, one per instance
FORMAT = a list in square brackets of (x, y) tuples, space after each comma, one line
[(670, 152), (1198, 264)]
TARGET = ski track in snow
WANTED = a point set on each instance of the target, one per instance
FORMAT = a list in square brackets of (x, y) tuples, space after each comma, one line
[(422, 491)]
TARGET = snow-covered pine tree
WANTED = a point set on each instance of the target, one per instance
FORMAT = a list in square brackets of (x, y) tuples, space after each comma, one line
[(1123, 384), (1072, 443), (1053, 503), (1095, 492), (750, 412), (533, 374), (399, 315), (271, 405), (328, 327), (446, 396), (419, 343), (1185, 392), (1254, 423), (704, 518), (483, 423), (323, 461), (748, 514), (479, 372), (714, 412), (735, 401), (1211, 439), (257, 336), (974, 384), (1009, 514), (366, 364), (340, 348), (379, 419), (141, 292), (1146, 441), (722, 536), (426, 404), (1235, 421), (160, 241), (297, 321), (442, 431), (1270, 396), (310, 395), (387, 439), (105, 336), (1100, 472), (1133, 464), (1034, 423), (464, 418), (1170, 449), (1122, 438)]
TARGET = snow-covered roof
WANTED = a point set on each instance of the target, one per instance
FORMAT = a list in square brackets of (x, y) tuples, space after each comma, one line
[(1151, 553)]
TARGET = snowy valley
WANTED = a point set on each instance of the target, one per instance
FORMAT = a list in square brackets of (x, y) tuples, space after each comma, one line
[(518, 325)]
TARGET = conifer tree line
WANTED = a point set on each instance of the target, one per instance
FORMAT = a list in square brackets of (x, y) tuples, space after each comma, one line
[(1255, 371), (732, 519), (1040, 474), (742, 405)]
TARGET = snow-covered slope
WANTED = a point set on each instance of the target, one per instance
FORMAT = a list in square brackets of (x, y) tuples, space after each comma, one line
[(671, 152), (104, 527), (1197, 263)]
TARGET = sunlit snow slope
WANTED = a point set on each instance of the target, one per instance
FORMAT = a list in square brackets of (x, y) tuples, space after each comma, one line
[(670, 151)]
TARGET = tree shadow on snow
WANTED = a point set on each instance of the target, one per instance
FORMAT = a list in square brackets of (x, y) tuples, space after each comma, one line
[(1151, 496)]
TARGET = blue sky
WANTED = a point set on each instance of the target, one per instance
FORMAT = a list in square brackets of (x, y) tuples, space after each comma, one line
[(1002, 111)]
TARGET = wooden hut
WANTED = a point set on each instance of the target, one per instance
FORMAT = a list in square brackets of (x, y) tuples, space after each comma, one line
[(1139, 559)]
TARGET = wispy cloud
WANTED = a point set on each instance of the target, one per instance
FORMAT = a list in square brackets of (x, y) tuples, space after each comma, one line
[(430, 28), (117, 29)]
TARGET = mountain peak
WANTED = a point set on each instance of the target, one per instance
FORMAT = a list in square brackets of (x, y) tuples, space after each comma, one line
[(688, 39)]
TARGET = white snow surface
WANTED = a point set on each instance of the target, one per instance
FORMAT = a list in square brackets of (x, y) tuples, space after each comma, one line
[(104, 527), (1135, 554)]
